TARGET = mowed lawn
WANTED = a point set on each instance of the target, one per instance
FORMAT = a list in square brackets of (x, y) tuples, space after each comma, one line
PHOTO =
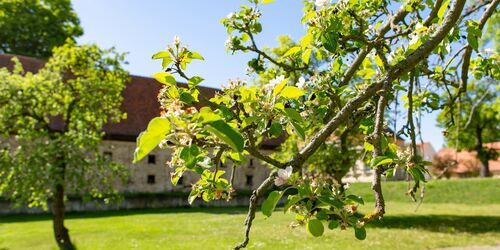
[(454, 213)]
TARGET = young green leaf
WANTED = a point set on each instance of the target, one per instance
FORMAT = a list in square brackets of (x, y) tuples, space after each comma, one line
[(291, 92), (381, 160), (270, 203), (165, 78), (157, 129), (306, 56), (195, 55), (356, 199), (292, 51)]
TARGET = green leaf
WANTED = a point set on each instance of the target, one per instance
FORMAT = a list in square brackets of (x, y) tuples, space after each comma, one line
[(291, 92), (165, 62), (329, 42), (442, 9), (299, 129), (193, 195), (207, 115), (161, 54), (195, 55), (270, 203), (315, 227), (356, 199), (190, 155), (292, 51), (472, 40), (306, 56), (276, 129), (333, 224), (293, 114), (194, 81), (381, 160), (227, 134), (187, 98), (292, 200), (360, 233), (279, 87), (330, 201), (368, 146), (267, 1), (157, 129), (165, 78)]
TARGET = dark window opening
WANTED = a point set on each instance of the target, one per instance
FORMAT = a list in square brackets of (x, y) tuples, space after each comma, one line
[(108, 156), (151, 179), (152, 159), (250, 164), (249, 181)]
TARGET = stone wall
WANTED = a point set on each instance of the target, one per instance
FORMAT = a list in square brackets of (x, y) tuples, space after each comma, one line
[(135, 202)]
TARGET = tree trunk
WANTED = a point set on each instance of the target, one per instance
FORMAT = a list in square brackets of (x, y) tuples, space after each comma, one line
[(485, 168), (60, 231)]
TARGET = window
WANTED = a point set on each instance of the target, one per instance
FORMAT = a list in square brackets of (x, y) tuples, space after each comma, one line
[(249, 181), (108, 156), (250, 164), (152, 159), (151, 179)]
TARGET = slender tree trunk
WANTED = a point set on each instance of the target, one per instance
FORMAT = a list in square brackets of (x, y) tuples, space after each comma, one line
[(485, 168), (58, 208)]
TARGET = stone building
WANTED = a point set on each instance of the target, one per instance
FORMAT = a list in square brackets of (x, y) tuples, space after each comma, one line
[(151, 175)]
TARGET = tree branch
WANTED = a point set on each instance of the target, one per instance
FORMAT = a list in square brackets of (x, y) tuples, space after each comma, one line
[(252, 208)]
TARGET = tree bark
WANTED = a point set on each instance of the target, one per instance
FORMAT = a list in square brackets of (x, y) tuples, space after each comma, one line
[(58, 208), (484, 170)]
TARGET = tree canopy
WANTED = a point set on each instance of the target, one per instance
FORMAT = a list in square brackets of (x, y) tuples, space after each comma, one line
[(35, 27), (354, 59), (51, 128)]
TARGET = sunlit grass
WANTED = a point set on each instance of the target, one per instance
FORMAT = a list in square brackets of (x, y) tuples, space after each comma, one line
[(437, 223)]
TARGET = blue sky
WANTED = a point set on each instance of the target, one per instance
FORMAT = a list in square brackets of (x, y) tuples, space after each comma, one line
[(142, 28)]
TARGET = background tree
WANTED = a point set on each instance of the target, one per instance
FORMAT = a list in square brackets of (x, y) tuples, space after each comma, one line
[(35, 27), (51, 127), (475, 122), (370, 49)]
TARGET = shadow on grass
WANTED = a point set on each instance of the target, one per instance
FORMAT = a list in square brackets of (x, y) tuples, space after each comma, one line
[(442, 223), (14, 218)]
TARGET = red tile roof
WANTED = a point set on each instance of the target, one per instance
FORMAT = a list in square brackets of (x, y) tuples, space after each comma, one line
[(468, 161), (140, 100)]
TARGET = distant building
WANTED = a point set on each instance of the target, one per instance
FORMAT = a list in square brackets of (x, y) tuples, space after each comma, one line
[(361, 172), (141, 105)]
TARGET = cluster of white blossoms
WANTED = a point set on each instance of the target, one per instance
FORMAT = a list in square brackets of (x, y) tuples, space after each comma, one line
[(283, 176), (234, 84)]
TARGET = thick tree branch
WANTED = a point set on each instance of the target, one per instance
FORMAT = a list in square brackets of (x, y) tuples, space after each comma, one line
[(393, 73), (468, 50)]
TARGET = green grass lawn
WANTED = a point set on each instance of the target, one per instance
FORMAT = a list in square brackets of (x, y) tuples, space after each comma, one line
[(454, 213)]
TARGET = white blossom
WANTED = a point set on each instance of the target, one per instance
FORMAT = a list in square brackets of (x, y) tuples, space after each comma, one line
[(177, 40), (230, 15), (301, 83), (322, 3), (283, 176)]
